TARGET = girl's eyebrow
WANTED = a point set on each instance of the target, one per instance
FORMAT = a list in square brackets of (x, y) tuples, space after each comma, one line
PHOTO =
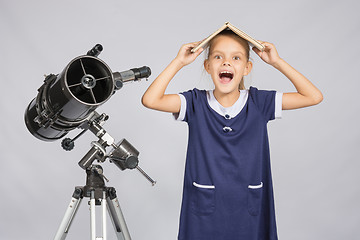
[(218, 51), (213, 52), (239, 53)]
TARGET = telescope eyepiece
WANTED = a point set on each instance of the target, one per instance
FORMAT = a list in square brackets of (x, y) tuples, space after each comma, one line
[(142, 72), (134, 74)]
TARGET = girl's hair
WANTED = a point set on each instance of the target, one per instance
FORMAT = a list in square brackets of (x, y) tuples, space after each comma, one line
[(237, 38)]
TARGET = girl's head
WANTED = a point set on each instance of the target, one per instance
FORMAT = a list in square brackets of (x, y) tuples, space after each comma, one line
[(228, 61)]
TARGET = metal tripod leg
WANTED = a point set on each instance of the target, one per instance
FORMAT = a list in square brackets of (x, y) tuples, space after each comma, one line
[(121, 230), (93, 216), (116, 215), (69, 215)]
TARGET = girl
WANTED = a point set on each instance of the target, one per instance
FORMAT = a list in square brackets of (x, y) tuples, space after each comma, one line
[(228, 193)]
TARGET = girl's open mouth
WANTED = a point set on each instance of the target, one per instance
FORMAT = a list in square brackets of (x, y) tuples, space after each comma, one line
[(226, 76)]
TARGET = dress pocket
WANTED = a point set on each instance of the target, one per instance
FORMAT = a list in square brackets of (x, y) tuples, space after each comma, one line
[(203, 199), (254, 198)]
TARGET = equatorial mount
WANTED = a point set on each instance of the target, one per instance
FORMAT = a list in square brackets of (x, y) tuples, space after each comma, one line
[(123, 155)]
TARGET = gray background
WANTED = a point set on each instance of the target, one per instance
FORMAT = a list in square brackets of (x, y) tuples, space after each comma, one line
[(314, 151)]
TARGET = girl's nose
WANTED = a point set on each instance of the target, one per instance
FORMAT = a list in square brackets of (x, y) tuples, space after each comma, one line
[(226, 63)]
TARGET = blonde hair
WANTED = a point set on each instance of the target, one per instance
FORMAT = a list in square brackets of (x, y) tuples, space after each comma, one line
[(240, 40)]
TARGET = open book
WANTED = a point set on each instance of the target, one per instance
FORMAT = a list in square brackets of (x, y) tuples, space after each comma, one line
[(229, 26)]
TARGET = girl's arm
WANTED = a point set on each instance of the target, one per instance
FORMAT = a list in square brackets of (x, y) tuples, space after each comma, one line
[(307, 94), (155, 97)]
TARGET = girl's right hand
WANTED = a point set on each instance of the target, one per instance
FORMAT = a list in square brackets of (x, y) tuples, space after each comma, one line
[(185, 56)]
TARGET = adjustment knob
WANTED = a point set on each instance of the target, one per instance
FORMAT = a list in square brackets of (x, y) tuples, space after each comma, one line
[(67, 144)]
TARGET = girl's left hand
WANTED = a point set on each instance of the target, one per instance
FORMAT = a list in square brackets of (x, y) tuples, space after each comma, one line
[(269, 55)]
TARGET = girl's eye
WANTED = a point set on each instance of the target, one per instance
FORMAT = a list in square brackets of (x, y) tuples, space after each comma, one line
[(236, 58), (217, 57)]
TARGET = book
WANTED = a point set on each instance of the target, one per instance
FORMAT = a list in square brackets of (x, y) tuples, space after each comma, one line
[(229, 26)]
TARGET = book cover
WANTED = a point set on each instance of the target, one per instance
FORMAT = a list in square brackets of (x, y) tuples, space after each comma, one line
[(229, 26)]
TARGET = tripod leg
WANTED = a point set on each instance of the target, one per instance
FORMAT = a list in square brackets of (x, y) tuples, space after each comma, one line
[(69, 215), (103, 207), (92, 216), (116, 215)]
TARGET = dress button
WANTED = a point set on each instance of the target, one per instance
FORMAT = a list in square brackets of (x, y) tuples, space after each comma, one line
[(227, 116), (227, 129)]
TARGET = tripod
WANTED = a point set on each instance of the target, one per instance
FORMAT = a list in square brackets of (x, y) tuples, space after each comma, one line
[(123, 155), (99, 194)]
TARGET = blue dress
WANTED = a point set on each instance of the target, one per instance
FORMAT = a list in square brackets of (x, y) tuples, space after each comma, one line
[(227, 192)]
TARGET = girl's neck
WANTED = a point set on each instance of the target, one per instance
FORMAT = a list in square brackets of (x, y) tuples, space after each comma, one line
[(226, 99)]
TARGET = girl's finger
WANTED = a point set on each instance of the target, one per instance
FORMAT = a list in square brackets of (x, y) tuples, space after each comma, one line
[(199, 51), (257, 51)]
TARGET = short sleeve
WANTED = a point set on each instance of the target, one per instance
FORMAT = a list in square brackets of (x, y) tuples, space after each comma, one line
[(265, 102), (187, 108), (278, 105), (180, 116)]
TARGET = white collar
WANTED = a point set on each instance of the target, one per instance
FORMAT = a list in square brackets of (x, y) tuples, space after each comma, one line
[(227, 112)]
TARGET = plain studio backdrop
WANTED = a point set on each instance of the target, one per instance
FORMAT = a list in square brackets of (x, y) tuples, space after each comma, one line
[(314, 151)]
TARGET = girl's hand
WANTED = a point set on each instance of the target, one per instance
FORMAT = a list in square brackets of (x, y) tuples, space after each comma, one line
[(269, 55), (185, 56)]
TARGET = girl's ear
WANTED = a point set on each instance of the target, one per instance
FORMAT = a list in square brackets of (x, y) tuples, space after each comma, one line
[(206, 65), (248, 68)]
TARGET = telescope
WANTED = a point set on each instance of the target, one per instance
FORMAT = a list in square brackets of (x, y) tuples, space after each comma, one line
[(67, 101)]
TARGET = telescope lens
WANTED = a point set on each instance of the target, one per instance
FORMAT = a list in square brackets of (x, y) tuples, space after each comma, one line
[(89, 81)]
